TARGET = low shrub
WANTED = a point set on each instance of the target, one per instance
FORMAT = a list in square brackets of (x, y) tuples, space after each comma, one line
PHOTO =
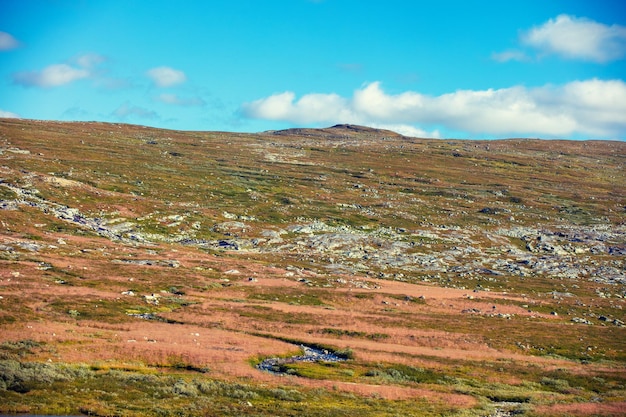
[(22, 377), (184, 388), (403, 373), (286, 395)]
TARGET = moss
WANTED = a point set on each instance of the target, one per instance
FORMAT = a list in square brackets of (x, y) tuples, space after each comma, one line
[(7, 194), (290, 296)]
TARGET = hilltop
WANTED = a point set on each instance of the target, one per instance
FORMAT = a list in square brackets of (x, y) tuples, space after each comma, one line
[(148, 271), (341, 131)]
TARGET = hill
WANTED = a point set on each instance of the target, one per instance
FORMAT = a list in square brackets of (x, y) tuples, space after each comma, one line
[(342, 131), (148, 272)]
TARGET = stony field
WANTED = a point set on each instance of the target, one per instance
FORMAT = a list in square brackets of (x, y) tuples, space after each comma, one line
[(309, 272)]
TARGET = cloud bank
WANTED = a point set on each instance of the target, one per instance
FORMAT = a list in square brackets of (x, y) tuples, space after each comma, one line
[(166, 76), (593, 108)]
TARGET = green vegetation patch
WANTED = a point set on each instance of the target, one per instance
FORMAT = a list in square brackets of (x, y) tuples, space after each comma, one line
[(19, 349), (290, 296), (353, 334), (79, 389), (7, 194), (402, 374)]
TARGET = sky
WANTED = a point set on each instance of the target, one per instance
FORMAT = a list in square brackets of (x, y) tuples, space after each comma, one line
[(464, 69)]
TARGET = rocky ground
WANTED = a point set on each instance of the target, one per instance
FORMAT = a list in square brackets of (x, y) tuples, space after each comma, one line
[(469, 277)]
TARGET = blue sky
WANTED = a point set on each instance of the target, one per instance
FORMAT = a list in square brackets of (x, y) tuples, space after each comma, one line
[(446, 69)]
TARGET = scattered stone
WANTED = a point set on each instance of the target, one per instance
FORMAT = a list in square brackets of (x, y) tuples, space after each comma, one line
[(144, 316), (29, 246), (494, 210), (228, 244), (152, 298), (557, 294), (310, 354), (149, 262), (228, 228)]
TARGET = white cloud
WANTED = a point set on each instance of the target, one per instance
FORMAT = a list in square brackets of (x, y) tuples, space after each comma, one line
[(407, 130), (578, 38), (599, 104), (90, 60), (327, 108), (60, 74), (311, 108), (166, 76), (511, 55), (7, 41), (372, 102), (8, 115), (180, 101), (126, 111), (592, 107), (51, 76)]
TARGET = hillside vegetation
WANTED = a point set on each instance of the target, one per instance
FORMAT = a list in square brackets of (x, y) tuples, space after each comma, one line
[(149, 272)]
